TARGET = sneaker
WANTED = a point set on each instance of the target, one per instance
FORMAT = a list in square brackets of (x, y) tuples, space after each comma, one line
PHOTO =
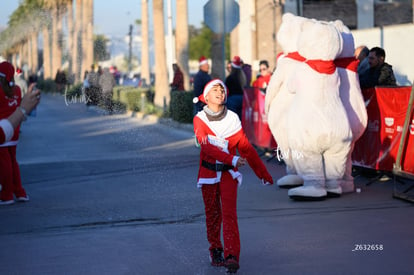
[(231, 264), (8, 202), (216, 257), (23, 199)]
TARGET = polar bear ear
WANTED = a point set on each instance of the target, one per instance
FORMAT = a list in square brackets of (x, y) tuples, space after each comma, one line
[(287, 16), (348, 44), (339, 25)]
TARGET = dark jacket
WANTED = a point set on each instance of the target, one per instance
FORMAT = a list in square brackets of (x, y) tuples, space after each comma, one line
[(235, 82), (200, 81), (379, 76)]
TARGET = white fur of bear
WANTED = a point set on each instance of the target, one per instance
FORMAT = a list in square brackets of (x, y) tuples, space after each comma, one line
[(317, 125), (278, 99), (352, 99)]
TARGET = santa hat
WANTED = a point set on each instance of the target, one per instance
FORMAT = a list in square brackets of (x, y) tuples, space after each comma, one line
[(203, 60), (207, 89), (236, 62), (7, 71)]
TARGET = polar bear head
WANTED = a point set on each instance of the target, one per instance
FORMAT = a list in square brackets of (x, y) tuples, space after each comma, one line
[(289, 32), (348, 47), (319, 40)]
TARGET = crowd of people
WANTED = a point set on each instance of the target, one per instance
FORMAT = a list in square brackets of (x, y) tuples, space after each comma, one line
[(98, 86)]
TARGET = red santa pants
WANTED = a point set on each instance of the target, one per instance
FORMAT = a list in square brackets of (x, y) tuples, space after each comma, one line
[(220, 204), (10, 174)]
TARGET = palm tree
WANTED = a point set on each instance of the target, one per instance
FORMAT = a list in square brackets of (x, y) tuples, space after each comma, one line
[(182, 40), (56, 33), (145, 65), (69, 10), (77, 42), (87, 43), (162, 91), (47, 73)]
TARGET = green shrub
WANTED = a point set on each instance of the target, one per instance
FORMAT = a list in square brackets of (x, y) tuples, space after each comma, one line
[(74, 90), (135, 99), (46, 85), (181, 106)]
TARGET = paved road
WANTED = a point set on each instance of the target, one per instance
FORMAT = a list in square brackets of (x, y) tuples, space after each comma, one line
[(117, 195)]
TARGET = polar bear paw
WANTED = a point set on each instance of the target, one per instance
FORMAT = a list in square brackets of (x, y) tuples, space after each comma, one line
[(308, 193), (333, 187), (290, 181)]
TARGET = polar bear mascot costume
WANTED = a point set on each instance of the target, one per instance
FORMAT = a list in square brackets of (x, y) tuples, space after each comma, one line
[(351, 97), (317, 124), (278, 99)]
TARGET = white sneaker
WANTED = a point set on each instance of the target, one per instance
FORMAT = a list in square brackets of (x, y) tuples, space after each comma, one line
[(23, 199), (6, 202)]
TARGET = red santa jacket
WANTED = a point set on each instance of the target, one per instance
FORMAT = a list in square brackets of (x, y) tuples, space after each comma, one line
[(7, 107), (219, 141)]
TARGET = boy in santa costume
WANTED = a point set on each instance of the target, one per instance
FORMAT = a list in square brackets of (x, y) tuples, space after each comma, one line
[(219, 132), (10, 98)]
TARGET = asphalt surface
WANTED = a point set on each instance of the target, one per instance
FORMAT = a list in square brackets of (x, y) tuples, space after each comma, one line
[(117, 195)]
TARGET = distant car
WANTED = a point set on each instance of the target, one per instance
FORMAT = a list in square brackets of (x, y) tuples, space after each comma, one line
[(133, 82)]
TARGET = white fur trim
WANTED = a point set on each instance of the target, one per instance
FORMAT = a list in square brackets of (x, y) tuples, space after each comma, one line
[(205, 61), (7, 128), (215, 180), (223, 128), (211, 84), (10, 143), (235, 160)]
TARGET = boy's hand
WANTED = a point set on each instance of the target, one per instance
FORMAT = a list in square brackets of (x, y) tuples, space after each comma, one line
[(264, 182), (241, 161)]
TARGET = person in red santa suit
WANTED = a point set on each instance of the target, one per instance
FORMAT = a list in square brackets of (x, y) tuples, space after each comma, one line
[(219, 133), (11, 115)]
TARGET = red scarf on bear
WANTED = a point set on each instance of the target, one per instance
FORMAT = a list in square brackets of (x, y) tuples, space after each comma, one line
[(349, 63), (296, 56), (322, 66)]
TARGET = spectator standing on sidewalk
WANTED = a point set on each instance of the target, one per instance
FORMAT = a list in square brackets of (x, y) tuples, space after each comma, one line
[(380, 73), (20, 81), (200, 80), (107, 84), (93, 93), (236, 82), (60, 80), (264, 77), (361, 53), (178, 79), (220, 135), (10, 102)]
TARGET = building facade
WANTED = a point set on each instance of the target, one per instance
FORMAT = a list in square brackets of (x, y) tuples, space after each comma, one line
[(254, 38)]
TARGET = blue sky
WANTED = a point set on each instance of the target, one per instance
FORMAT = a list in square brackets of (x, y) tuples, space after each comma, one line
[(114, 17)]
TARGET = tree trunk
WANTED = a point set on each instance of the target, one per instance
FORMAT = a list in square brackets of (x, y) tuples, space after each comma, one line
[(34, 53), (162, 90), (46, 53), (145, 65), (182, 40), (77, 43), (89, 32), (69, 7), (56, 47)]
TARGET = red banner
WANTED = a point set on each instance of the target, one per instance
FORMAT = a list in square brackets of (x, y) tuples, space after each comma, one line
[(378, 146), (254, 119)]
